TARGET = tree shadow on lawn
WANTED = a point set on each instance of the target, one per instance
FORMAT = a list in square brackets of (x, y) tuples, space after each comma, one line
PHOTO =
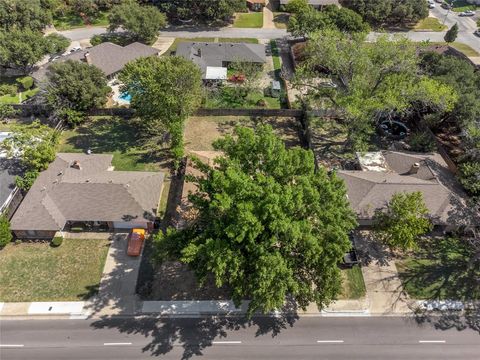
[(118, 135), (444, 276)]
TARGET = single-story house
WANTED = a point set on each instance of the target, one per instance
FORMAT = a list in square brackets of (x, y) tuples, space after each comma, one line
[(213, 58), (318, 4), (81, 190), (108, 57), (385, 173)]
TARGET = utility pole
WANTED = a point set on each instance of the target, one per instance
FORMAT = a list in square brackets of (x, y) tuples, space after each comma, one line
[(448, 11)]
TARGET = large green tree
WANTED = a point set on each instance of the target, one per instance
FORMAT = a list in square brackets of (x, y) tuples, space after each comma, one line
[(165, 91), (404, 221), (269, 226), (141, 23), (307, 20), (201, 11), (21, 49), (389, 12), (76, 85), (451, 34), (23, 15), (368, 82), (35, 144)]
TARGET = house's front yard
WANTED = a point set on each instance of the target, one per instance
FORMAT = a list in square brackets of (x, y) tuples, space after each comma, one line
[(248, 20), (353, 286), (73, 21), (39, 272), (429, 24)]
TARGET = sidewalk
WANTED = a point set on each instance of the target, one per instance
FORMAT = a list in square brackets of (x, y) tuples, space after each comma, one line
[(268, 16)]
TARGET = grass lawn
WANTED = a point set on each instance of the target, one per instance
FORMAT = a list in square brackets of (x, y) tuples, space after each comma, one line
[(430, 23), (226, 100), (73, 21), (353, 284), (249, 20), (110, 135), (39, 272), (280, 19), (464, 48), (21, 96)]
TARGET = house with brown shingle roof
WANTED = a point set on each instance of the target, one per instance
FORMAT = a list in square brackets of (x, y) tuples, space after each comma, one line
[(84, 189), (385, 173), (108, 57)]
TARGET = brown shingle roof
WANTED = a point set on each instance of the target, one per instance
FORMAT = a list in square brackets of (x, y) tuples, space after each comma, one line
[(92, 193)]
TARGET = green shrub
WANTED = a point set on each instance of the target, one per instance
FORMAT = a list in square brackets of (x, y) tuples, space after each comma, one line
[(72, 117), (5, 233), (8, 89), (18, 242), (26, 181), (26, 82), (421, 142), (57, 241), (470, 177), (96, 40)]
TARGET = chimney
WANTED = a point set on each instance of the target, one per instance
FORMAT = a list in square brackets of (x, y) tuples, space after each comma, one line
[(88, 59), (76, 165), (414, 169)]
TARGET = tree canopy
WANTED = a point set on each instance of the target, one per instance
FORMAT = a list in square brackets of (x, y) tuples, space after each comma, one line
[(307, 19), (269, 226), (389, 12), (23, 15), (451, 34), (165, 91), (5, 233), (200, 11), (21, 49), (142, 23), (404, 221), (76, 85), (369, 81)]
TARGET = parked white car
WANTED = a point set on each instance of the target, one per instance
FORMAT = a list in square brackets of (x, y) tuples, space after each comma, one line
[(467, 13)]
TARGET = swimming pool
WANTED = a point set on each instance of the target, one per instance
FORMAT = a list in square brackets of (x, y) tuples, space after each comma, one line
[(125, 97)]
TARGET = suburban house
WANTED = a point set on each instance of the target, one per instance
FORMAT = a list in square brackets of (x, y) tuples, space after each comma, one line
[(214, 58), (256, 5), (318, 4), (82, 191), (385, 173), (108, 57)]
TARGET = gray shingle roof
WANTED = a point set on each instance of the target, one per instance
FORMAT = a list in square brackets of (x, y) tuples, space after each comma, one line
[(371, 190), (108, 57), (215, 54), (93, 193)]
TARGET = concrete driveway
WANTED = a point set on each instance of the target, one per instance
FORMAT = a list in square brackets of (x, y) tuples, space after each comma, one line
[(117, 294)]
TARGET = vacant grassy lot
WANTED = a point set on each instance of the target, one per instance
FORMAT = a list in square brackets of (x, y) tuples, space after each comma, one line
[(430, 23), (249, 20), (462, 5), (39, 272), (353, 284), (201, 131), (73, 21)]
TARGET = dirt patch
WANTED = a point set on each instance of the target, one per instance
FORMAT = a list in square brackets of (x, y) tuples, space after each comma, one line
[(201, 131), (174, 281)]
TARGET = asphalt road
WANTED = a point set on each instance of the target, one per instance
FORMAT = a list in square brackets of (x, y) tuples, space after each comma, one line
[(264, 338)]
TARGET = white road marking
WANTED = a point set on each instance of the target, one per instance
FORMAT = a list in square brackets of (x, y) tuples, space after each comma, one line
[(12, 345), (226, 342), (330, 341), (431, 341), (117, 344)]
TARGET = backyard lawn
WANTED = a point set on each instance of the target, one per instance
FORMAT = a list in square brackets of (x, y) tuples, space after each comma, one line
[(353, 284), (72, 21), (39, 272), (249, 20), (111, 135), (430, 23)]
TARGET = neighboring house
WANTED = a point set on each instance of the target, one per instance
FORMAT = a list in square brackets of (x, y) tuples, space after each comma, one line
[(474, 2), (256, 5), (388, 172), (315, 3), (214, 58), (108, 57), (80, 190), (9, 170)]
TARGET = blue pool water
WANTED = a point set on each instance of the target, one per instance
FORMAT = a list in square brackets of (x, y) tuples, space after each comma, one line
[(125, 97)]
